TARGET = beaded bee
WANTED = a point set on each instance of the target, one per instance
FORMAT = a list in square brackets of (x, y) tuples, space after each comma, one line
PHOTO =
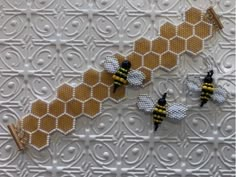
[(122, 74), (160, 110), (207, 89)]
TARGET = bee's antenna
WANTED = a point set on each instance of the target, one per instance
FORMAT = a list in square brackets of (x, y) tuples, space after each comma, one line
[(164, 95)]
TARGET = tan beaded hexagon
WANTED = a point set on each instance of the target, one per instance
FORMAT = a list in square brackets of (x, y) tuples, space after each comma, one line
[(194, 45), (83, 92), (106, 78), (142, 46), (203, 30), (119, 57), (65, 124), (151, 60), (56, 107), (39, 108), (48, 124), (169, 60), (168, 30), (135, 59), (91, 77), (177, 45), (30, 123), (74, 108), (91, 107), (39, 139), (148, 74), (65, 92), (100, 92), (159, 45), (193, 15), (119, 94), (185, 30)]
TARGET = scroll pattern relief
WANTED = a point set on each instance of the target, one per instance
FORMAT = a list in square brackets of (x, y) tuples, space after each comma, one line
[(96, 87)]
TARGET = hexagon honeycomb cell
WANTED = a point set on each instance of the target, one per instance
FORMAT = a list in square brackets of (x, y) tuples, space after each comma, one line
[(39, 139), (177, 45), (56, 107), (106, 78), (30, 123), (194, 45), (169, 60), (48, 124), (83, 92), (119, 95), (65, 92), (148, 75), (151, 60), (203, 30), (142, 46), (39, 108), (65, 124), (91, 108), (159, 45), (100, 92), (74, 108), (91, 77), (185, 30), (168, 30), (193, 15), (135, 59)]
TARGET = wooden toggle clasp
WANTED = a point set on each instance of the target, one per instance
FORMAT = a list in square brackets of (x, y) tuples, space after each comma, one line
[(15, 134), (214, 18)]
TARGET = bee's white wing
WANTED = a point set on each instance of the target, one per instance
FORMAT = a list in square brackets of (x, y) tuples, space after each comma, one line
[(194, 85), (145, 103), (177, 111), (219, 95), (135, 78), (111, 64)]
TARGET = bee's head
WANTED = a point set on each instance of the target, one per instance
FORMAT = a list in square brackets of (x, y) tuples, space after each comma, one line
[(162, 101), (126, 64), (208, 78)]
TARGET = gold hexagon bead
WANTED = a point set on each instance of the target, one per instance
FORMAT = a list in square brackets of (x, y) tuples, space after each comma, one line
[(106, 78), (48, 124), (151, 60), (135, 60), (74, 108), (100, 92), (91, 77), (169, 60), (39, 139), (177, 45), (39, 108), (148, 74), (142, 46), (65, 92), (203, 30), (65, 124), (168, 30), (119, 57), (30, 123), (91, 108), (194, 45), (119, 94), (193, 15), (83, 92), (56, 107), (159, 45), (185, 30)]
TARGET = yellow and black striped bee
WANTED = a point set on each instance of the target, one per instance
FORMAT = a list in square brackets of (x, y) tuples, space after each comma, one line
[(122, 74), (207, 89), (160, 110)]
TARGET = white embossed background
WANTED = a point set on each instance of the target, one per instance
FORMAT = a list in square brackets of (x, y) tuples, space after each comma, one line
[(44, 43)]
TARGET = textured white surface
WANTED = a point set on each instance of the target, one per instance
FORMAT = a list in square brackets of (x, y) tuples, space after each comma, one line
[(47, 42)]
